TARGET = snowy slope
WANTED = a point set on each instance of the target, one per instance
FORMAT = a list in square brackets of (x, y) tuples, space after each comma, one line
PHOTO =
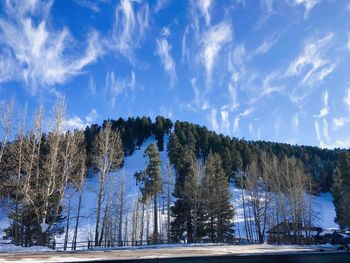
[(132, 164), (323, 205), (137, 162)]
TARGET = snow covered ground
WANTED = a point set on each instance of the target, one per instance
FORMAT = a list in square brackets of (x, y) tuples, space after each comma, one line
[(137, 162), (163, 251)]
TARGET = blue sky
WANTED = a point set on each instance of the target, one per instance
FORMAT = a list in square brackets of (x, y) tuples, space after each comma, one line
[(262, 70)]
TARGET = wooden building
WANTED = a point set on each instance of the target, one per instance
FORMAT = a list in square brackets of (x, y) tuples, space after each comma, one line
[(291, 233)]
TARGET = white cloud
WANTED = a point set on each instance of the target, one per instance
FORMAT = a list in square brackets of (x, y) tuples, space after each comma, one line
[(185, 54), (295, 122), (347, 98), (90, 4), (322, 133), (325, 129), (233, 97), (165, 112), (308, 5), (92, 116), (225, 123), (74, 123), (236, 125), (37, 54), (199, 100), (267, 44), (324, 111), (312, 62), (268, 87), (166, 32), (129, 27), (318, 130), (247, 112), (212, 41), (117, 86), (213, 120), (161, 4), (204, 6), (340, 143), (251, 129), (348, 42), (92, 86), (339, 122), (163, 51), (267, 4)]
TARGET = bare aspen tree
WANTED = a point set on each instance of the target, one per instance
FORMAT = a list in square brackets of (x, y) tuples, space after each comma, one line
[(244, 204), (80, 183), (120, 198), (107, 156), (6, 115), (291, 206), (142, 223), (31, 165), (257, 188), (20, 159), (51, 174), (135, 222), (106, 219)]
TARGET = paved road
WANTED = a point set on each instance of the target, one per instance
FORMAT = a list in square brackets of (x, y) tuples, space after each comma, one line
[(322, 257)]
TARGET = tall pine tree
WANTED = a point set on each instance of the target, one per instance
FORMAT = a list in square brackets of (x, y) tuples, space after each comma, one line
[(181, 211), (341, 190), (150, 181), (218, 208)]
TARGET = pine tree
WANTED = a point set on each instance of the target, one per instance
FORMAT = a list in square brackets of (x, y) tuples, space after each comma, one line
[(150, 181), (218, 208), (181, 211), (341, 190)]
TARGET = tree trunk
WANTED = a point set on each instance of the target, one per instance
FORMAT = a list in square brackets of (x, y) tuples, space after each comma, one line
[(74, 242), (67, 229), (155, 226)]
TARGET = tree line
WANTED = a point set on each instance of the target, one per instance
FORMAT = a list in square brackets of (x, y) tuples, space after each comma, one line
[(39, 164)]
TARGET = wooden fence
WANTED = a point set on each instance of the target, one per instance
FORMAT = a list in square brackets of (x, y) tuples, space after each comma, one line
[(90, 244)]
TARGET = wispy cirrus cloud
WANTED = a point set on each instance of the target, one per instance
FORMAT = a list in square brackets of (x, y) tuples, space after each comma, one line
[(307, 4), (160, 4), (204, 6), (131, 23), (324, 111), (92, 86), (37, 54), (312, 63), (116, 86), (163, 51), (267, 44), (321, 123), (89, 4), (342, 121), (212, 42)]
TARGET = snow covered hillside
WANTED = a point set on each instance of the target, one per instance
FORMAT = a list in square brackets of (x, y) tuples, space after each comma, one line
[(137, 162)]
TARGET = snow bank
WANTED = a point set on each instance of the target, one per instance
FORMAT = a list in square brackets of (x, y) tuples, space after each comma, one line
[(10, 248)]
